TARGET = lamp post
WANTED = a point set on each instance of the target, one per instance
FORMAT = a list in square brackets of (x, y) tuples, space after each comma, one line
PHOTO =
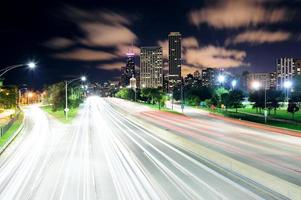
[(30, 65), (233, 83), (67, 83), (256, 85), (287, 85), (221, 79)]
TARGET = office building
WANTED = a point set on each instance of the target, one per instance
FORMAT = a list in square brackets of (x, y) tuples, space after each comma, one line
[(286, 69), (174, 56), (151, 67), (128, 71), (263, 78), (209, 77)]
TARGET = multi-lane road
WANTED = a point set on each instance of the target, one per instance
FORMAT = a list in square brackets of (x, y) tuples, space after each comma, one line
[(105, 155)]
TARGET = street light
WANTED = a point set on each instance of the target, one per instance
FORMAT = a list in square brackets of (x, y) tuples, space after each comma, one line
[(233, 83), (30, 65), (82, 78), (256, 85), (287, 85), (221, 79)]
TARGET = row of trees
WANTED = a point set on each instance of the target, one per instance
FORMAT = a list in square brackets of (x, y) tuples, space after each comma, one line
[(8, 97), (217, 97), (148, 95), (55, 96)]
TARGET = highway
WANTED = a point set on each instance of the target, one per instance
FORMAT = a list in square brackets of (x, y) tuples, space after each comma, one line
[(103, 155), (272, 152)]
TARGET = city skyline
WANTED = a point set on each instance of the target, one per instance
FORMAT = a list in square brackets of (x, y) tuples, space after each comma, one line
[(68, 39)]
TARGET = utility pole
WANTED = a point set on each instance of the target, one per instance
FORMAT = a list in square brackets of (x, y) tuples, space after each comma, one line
[(182, 96)]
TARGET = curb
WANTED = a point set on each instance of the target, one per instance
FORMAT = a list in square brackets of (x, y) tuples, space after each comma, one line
[(2, 149), (276, 184)]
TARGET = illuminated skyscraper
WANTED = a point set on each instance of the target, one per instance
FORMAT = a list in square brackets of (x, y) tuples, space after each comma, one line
[(174, 56), (129, 70), (151, 67)]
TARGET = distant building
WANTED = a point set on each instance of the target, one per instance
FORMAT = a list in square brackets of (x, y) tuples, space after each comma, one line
[(174, 56), (286, 69), (209, 77), (197, 74), (273, 80), (189, 79), (298, 66), (263, 78), (129, 70), (151, 67)]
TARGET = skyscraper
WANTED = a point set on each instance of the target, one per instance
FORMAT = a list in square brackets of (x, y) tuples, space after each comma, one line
[(151, 67), (209, 76), (129, 70), (174, 56), (286, 69)]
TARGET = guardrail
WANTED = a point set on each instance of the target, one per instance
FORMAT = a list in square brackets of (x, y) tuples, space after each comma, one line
[(5, 127)]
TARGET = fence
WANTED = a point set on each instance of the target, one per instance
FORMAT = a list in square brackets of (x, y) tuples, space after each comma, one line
[(5, 127)]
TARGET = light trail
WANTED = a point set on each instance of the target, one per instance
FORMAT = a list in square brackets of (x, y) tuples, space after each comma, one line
[(103, 155)]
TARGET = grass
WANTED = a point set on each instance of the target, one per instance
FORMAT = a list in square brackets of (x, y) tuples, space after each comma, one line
[(280, 114), (293, 126), (11, 131), (60, 115)]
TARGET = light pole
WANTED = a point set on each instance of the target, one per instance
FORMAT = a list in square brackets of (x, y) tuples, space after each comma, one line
[(83, 78), (182, 96), (233, 83), (30, 65), (221, 79), (287, 85), (256, 85)]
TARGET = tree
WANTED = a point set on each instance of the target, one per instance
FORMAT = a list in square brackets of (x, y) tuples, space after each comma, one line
[(274, 97), (257, 97), (55, 96), (126, 93), (235, 98), (292, 108), (296, 95), (154, 95), (193, 100), (219, 93), (8, 97)]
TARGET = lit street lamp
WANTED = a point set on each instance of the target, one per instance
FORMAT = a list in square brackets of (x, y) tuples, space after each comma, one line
[(287, 85), (30, 65), (83, 78), (256, 85), (233, 83), (221, 79)]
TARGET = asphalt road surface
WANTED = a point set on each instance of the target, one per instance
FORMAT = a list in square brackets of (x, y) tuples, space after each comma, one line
[(103, 155)]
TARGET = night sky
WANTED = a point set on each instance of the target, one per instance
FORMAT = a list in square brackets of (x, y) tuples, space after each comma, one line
[(71, 38)]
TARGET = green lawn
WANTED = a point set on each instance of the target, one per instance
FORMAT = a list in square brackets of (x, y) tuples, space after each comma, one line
[(60, 115), (246, 117), (280, 113), (10, 132)]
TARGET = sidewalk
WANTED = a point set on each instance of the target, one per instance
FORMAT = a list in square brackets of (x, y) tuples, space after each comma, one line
[(189, 111), (5, 116)]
